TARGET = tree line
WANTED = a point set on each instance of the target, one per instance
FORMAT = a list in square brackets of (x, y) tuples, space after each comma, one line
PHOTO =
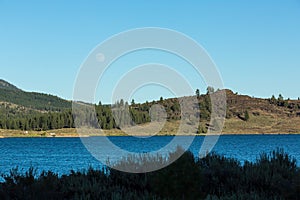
[(12, 118), (112, 116), (59, 114)]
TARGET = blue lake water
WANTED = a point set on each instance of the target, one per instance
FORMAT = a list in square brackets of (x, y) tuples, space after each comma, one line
[(63, 154)]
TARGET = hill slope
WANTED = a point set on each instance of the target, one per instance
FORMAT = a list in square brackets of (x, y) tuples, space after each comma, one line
[(6, 85), (33, 100), (265, 115), (22, 110)]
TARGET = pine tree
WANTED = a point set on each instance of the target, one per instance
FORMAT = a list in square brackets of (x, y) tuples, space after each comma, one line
[(247, 115), (132, 102), (210, 90), (273, 100), (197, 93), (161, 99)]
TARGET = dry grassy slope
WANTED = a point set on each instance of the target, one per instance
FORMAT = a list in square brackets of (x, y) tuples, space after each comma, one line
[(264, 117), (240, 103)]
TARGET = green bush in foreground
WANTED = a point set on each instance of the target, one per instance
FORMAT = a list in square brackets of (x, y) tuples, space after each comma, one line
[(272, 176)]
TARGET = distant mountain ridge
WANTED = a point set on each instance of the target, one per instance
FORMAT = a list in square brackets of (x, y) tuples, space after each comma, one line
[(33, 100)]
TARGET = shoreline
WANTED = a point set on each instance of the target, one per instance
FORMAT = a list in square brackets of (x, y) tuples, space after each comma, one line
[(145, 136), (88, 132)]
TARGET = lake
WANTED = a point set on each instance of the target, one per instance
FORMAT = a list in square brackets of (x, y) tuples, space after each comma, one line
[(63, 154)]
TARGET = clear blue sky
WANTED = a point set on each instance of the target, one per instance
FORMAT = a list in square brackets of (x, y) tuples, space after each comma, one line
[(255, 44)]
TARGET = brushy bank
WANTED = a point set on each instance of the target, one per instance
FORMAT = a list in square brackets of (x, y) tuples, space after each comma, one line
[(272, 176)]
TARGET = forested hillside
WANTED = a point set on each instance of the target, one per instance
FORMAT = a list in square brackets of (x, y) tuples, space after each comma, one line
[(6, 85), (38, 101), (20, 110)]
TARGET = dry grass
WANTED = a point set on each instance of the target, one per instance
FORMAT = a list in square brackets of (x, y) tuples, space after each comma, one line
[(263, 124)]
